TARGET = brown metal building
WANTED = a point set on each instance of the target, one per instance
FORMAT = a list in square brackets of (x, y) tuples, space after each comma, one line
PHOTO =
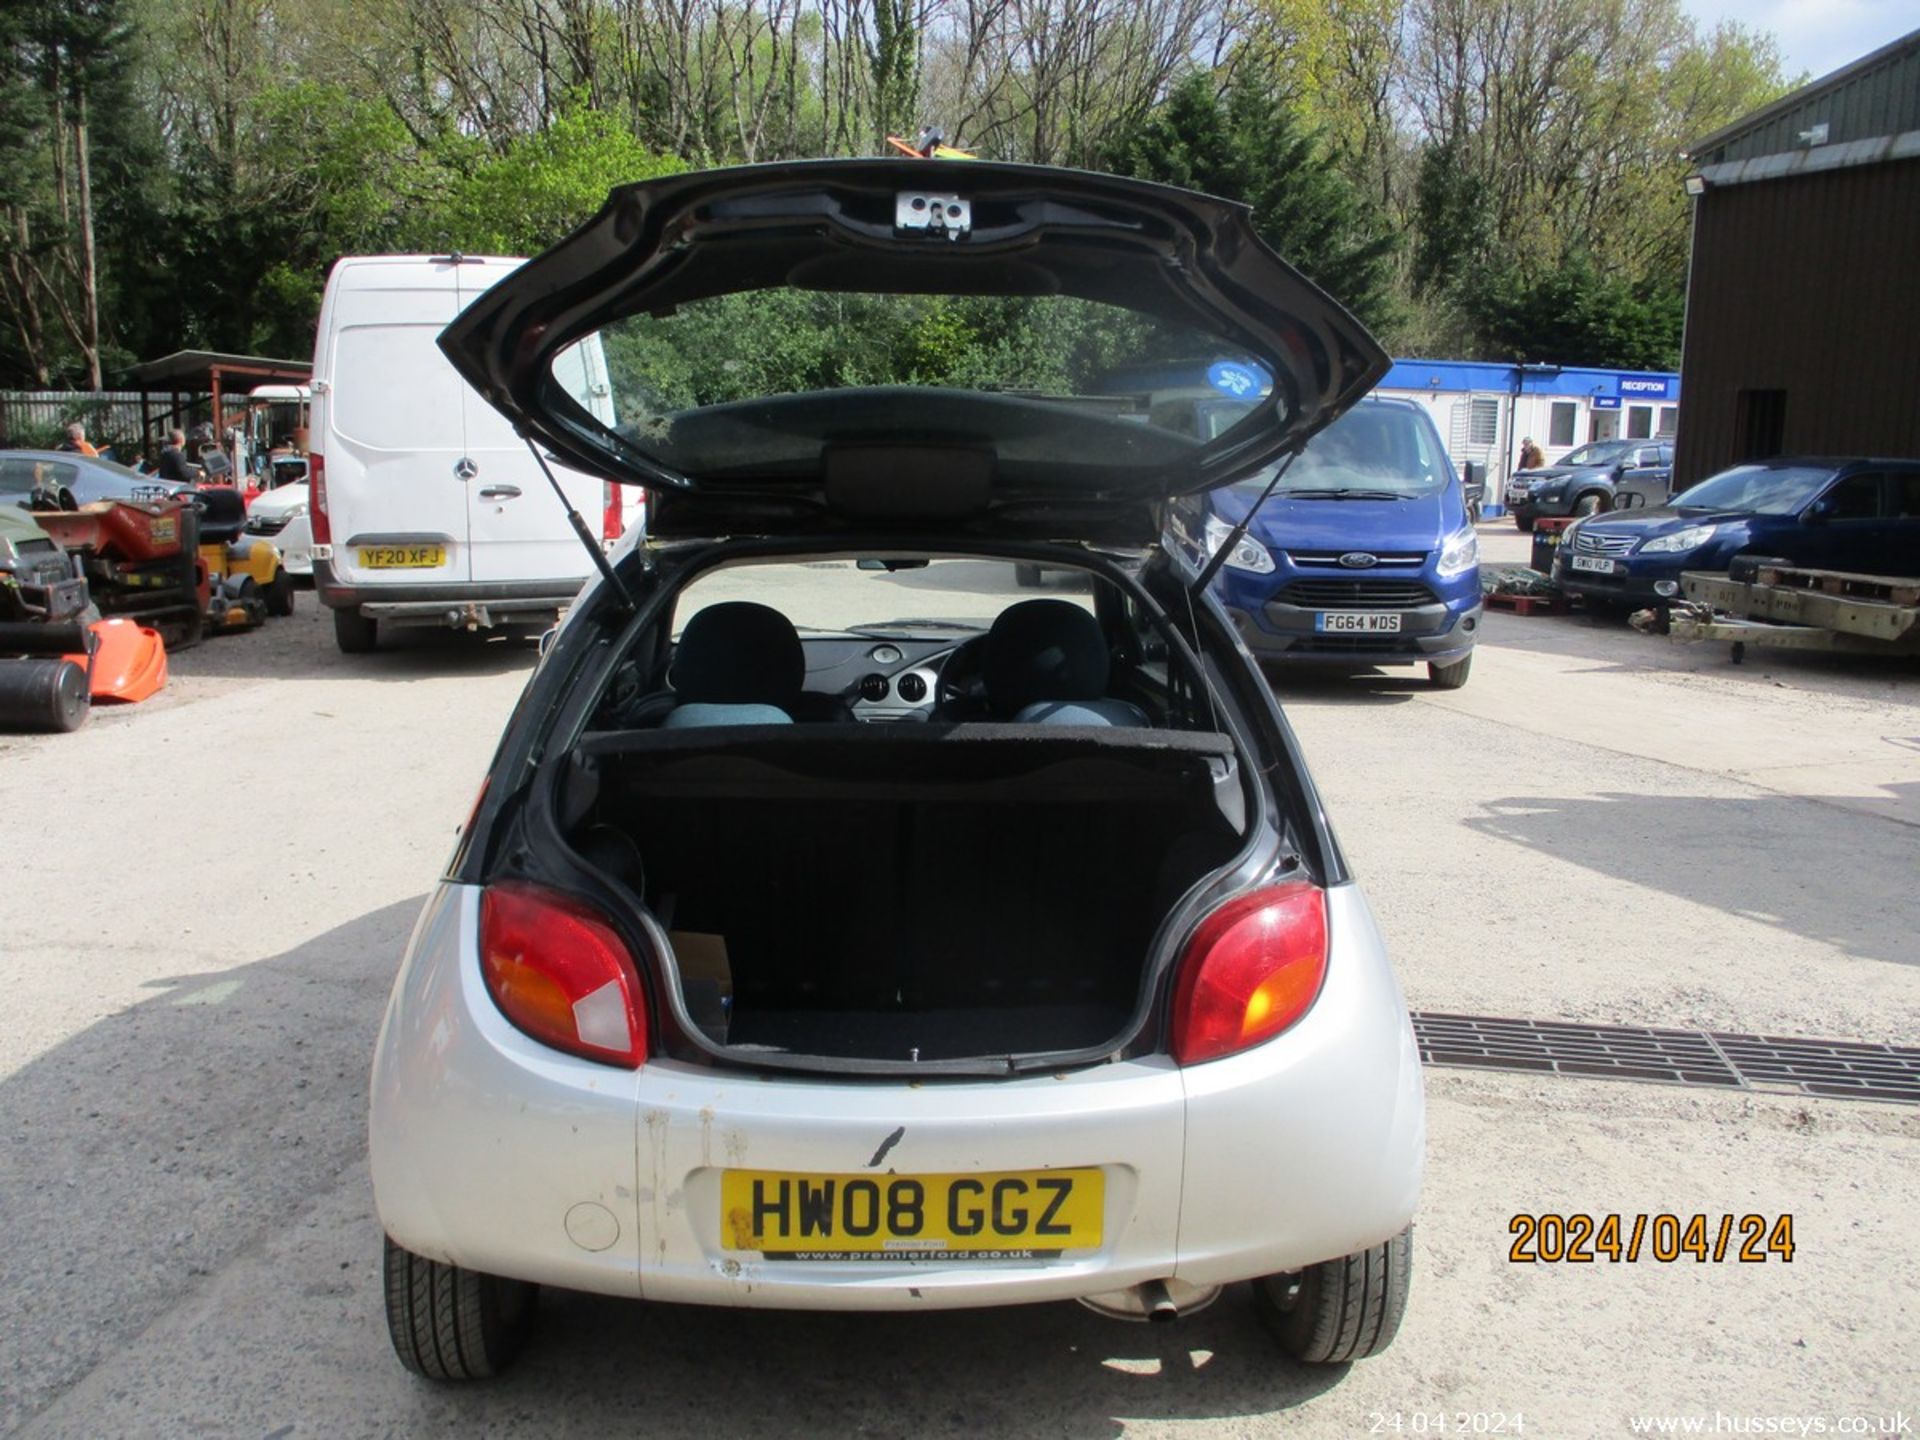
[(1803, 299)]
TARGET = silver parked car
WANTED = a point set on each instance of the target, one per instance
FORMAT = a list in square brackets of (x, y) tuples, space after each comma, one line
[(65, 481), (950, 947)]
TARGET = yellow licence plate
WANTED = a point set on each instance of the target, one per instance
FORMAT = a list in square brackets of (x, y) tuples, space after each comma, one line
[(402, 557), (1015, 1215)]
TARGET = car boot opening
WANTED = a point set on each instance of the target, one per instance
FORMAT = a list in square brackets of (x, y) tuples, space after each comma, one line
[(949, 893)]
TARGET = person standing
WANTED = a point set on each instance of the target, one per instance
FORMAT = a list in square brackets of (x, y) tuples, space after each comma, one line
[(1531, 457), (174, 464), (77, 441)]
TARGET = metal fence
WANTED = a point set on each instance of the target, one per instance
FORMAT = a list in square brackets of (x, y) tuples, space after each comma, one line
[(34, 419)]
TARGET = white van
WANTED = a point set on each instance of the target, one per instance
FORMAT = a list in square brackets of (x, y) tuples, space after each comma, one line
[(427, 509)]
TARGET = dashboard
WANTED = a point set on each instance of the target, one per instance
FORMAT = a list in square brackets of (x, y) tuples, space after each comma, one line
[(881, 679)]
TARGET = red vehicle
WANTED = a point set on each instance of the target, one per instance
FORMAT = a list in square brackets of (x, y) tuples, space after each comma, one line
[(141, 560), (54, 660)]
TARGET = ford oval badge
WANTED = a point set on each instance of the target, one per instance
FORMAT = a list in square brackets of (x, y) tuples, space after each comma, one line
[(1359, 560)]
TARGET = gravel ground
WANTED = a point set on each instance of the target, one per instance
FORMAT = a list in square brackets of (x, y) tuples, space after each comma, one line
[(214, 888)]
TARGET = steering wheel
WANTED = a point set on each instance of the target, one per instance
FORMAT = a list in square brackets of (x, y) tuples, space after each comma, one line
[(961, 693)]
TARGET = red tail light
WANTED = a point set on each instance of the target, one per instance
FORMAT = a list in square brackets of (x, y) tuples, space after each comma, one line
[(559, 972), (317, 501), (1250, 970), (612, 521)]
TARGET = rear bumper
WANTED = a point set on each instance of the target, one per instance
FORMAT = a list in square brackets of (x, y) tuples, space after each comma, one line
[(491, 1151), (457, 604)]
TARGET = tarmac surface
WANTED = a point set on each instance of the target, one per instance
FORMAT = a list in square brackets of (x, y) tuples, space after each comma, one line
[(209, 894)]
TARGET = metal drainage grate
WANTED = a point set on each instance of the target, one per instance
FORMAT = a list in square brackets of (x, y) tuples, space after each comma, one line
[(1843, 1068), (1835, 1068)]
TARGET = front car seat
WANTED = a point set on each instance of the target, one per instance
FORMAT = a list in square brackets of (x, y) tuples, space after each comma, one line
[(1046, 663), (737, 663)]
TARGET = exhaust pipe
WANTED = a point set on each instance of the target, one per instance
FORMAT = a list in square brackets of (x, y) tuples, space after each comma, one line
[(1153, 1300), (1156, 1302)]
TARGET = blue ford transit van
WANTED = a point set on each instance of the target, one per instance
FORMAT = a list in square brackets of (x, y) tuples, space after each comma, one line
[(1363, 556)]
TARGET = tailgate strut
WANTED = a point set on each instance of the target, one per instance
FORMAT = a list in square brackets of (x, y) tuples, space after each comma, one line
[(1239, 532), (594, 552)]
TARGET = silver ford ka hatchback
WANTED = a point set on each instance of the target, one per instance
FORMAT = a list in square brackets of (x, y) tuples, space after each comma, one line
[(840, 927)]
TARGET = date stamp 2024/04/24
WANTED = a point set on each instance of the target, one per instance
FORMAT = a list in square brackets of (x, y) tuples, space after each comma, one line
[(1584, 1239)]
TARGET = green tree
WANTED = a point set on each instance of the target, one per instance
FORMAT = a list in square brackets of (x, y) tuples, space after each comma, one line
[(350, 181), (1248, 145), (543, 185), (1338, 62), (1576, 315), (1552, 153), (1453, 224), (893, 66), (61, 58)]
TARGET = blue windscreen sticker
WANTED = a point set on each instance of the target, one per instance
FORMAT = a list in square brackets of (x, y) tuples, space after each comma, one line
[(1243, 382)]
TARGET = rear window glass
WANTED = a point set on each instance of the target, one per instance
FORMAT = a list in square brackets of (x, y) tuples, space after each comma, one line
[(1078, 359), (788, 342)]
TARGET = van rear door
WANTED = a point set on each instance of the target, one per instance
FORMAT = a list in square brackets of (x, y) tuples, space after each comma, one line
[(516, 528), (393, 433)]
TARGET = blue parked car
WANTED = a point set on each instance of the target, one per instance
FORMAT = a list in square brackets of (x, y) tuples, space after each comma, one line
[(1363, 556), (1857, 515)]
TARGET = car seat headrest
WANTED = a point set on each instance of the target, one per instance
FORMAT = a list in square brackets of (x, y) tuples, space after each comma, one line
[(1043, 650), (738, 653)]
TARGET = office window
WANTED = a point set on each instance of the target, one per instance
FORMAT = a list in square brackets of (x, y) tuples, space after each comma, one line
[(1639, 422), (1483, 422), (1669, 422), (1560, 422)]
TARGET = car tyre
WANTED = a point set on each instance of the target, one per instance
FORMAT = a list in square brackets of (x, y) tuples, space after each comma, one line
[(354, 633), (1027, 577), (1450, 677), (1523, 523), (280, 595), (450, 1323), (1591, 503), (1339, 1310)]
